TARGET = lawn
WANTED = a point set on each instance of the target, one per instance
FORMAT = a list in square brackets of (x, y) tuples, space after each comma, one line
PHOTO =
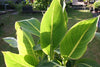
[(74, 16)]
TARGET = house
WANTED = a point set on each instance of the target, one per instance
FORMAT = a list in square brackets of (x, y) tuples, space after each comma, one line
[(81, 2), (78, 2)]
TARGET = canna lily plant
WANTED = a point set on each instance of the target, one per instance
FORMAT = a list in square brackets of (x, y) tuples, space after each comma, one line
[(57, 46)]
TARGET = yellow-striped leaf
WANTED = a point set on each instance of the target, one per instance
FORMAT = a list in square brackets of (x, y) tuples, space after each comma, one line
[(16, 60), (30, 25), (53, 27), (75, 41)]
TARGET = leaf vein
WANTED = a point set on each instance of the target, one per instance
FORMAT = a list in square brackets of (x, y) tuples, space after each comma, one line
[(33, 26), (78, 42)]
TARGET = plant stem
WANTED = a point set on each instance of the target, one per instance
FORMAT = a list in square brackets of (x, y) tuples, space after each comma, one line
[(51, 54), (64, 61)]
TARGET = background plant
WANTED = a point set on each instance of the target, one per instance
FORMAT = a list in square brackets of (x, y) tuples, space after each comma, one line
[(97, 5), (18, 7), (56, 46), (41, 4)]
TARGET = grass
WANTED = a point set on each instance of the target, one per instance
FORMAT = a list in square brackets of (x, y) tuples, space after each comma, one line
[(74, 17), (93, 51)]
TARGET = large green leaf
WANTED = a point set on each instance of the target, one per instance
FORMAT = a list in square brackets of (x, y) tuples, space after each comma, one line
[(15, 60), (25, 44), (30, 25), (86, 63), (75, 41), (53, 27), (11, 41)]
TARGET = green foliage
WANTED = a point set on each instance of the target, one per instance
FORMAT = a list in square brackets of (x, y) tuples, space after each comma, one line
[(11, 41), (56, 46), (49, 35), (41, 4), (25, 47), (11, 3), (30, 25), (74, 44), (25, 42), (97, 4), (15, 60), (18, 7), (85, 0)]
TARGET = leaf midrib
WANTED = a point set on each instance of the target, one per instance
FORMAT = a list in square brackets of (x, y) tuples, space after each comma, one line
[(51, 35), (33, 25), (30, 43), (78, 42)]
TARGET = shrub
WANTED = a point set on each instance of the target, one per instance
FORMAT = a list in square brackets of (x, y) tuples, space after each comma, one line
[(56, 47), (97, 5), (18, 7), (41, 4), (11, 3)]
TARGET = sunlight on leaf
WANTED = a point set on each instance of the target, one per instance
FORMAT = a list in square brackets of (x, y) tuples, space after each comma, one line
[(16, 60), (74, 44), (53, 27), (11, 41), (30, 25)]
